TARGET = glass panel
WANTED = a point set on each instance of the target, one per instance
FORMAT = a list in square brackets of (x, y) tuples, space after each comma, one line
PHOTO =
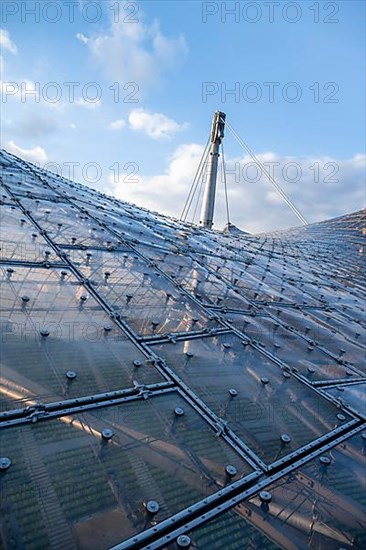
[(268, 404), (90, 493), (21, 181), (20, 240), (81, 338), (230, 531), (352, 329), (293, 349), (322, 505), (353, 395), (65, 224), (148, 302), (322, 333)]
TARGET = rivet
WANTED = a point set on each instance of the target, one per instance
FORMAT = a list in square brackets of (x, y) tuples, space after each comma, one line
[(25, 298), (265, 496), (5, 463), (325, 460), (233, 392), (178, 411), (230, 470), (183, 541), (137, 363), (44, 333), (107, 434), (152, 507), (70, 375), (264, 380), (285, 438), (107, 328), (341, 417)]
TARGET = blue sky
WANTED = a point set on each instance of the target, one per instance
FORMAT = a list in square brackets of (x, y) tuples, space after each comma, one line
[(163, 54)]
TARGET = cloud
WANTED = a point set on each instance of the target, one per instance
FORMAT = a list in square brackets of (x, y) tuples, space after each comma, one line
[(35, 155), (81, 102), (117, 124), (19, 90), (154, 125), (80, 36), (165, 193), (321, 188), (6, 43), (134, 51)]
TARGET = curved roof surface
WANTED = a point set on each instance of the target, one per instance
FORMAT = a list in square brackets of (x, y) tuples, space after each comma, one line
[(164, 385)]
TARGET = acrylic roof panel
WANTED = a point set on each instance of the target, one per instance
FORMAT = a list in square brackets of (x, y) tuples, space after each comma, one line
[(164, 385), (265, 405), (139, 293), (90, 482)]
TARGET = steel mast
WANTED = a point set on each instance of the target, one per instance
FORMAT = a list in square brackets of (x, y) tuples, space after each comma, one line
[(217, 134)]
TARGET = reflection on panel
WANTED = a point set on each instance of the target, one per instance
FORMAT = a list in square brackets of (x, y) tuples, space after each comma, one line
[(260, 338), (50, 325), (139, 293), (230, 531), (94, 479), (65, 224), (322, 505), (352, 395), (272, 412), (20, 240), (297, 350)]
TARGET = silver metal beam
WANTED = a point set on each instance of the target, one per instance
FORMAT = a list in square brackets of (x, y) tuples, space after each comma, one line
[(217, 134)]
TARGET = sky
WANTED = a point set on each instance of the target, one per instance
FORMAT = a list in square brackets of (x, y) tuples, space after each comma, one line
[(119, 95)]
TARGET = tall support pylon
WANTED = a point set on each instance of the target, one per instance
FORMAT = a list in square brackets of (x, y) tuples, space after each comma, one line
[(217, 135)]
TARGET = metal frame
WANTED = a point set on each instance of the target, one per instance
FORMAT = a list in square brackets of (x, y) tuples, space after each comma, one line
[(263, 475)]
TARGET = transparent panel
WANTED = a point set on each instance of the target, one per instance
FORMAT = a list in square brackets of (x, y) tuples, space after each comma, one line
[(81, 338), (20, 240), (322, 333), (230, 531), (353, 395), (148, 302), (22, 181), (295, 349), (353, 329), (269, 403), (65, 224), (322, 505), (91, 493)]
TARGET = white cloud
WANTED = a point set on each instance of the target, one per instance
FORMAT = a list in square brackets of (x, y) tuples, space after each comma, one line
[(154, 125), (117, 124), (80, 36), (165, 193), (134, 51), (81, 102), (6, 43), (327, 188), (24, 91), (37, 154)]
